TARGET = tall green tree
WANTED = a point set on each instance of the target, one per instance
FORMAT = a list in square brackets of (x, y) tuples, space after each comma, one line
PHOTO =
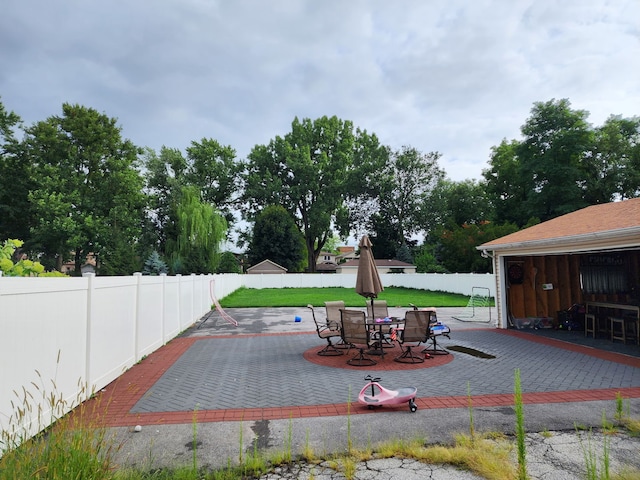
[(462, 202), (457, 249), (229, 263), (310, 172), (614, 164), (505, 187), (213, 168), (552, 156), (276, 237), (88, 197), (404, 184), (17, 180), (164, 180), (201, 229), (208, 167)]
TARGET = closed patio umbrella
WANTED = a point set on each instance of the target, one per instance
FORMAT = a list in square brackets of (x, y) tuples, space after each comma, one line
[(368, 282)]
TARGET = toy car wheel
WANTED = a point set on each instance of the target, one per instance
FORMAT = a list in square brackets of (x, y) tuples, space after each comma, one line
[(412, 406)]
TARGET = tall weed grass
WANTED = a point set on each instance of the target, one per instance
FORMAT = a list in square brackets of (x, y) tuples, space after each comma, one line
[(42, 440)]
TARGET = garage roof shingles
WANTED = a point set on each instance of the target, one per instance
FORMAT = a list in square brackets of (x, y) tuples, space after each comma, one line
[(606, 217)]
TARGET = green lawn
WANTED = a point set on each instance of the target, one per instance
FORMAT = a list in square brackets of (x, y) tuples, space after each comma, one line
[(299, 297)]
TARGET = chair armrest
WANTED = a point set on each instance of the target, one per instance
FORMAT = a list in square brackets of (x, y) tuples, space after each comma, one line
[(331, 325)]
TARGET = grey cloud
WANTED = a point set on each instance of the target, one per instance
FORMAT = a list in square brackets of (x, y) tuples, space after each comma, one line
[(452, 76)]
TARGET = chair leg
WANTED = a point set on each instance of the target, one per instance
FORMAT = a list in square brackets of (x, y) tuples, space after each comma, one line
[(408, 356), (590, 325), (343, 346), (330, 350), (618, 333), (361, 360), (436, 350)]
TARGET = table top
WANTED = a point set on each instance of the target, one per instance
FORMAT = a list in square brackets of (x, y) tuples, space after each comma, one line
[(621, 306), (393, 320)]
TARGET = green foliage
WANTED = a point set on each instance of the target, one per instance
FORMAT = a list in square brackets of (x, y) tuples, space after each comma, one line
[(228, 263), (67, 446), (73, 186), (457, 250), (154, 265), (552, 157), (386, 238), (613, 168), (404, 254), (275, 237), (88, 198), (332, 243), (563, 164), (404, 185), (505, 187), (426, 262), (200, 230), (459, 203), (17, 181), (213, 169), (520, 426), (17, 268), (311, 172), (206, 179)]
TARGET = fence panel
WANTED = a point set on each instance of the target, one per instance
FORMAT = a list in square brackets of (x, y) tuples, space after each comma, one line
[(150, 311), (171, 308), (112, 324), (186, 301), (43, 339)]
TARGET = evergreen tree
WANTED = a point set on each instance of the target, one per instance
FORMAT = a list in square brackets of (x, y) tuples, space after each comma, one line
[(276, 238), (154, 265)]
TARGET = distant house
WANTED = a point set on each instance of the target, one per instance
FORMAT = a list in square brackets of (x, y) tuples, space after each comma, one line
[(384, 266), (326, 267), (346, 253), (327, 257), (328, 262), (89, 266), (266, 266)]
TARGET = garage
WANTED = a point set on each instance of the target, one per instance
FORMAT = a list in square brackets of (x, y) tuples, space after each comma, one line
[(582, 267)]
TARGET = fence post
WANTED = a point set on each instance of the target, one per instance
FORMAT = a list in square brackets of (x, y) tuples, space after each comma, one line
[(162, 303), (136, 332), (90, 288)]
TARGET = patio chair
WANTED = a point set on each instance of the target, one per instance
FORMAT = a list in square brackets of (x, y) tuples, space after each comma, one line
[(436, 329), (416, 331), (379, 309), (355, 334), (327, 331), (334, 317)]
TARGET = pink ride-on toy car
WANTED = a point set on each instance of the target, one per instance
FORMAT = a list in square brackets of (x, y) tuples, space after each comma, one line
[(383, 396)]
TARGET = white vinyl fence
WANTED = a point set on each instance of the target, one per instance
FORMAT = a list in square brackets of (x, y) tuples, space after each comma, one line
[(73, 336)]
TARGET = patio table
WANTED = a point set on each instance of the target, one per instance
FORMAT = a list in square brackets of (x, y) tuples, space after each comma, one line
[(377, 325)]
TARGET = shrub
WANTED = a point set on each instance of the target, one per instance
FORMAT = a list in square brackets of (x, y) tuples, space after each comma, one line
[(19, 268)]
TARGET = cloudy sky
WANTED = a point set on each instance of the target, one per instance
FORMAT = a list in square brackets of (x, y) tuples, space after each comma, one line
[(454, 76)]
